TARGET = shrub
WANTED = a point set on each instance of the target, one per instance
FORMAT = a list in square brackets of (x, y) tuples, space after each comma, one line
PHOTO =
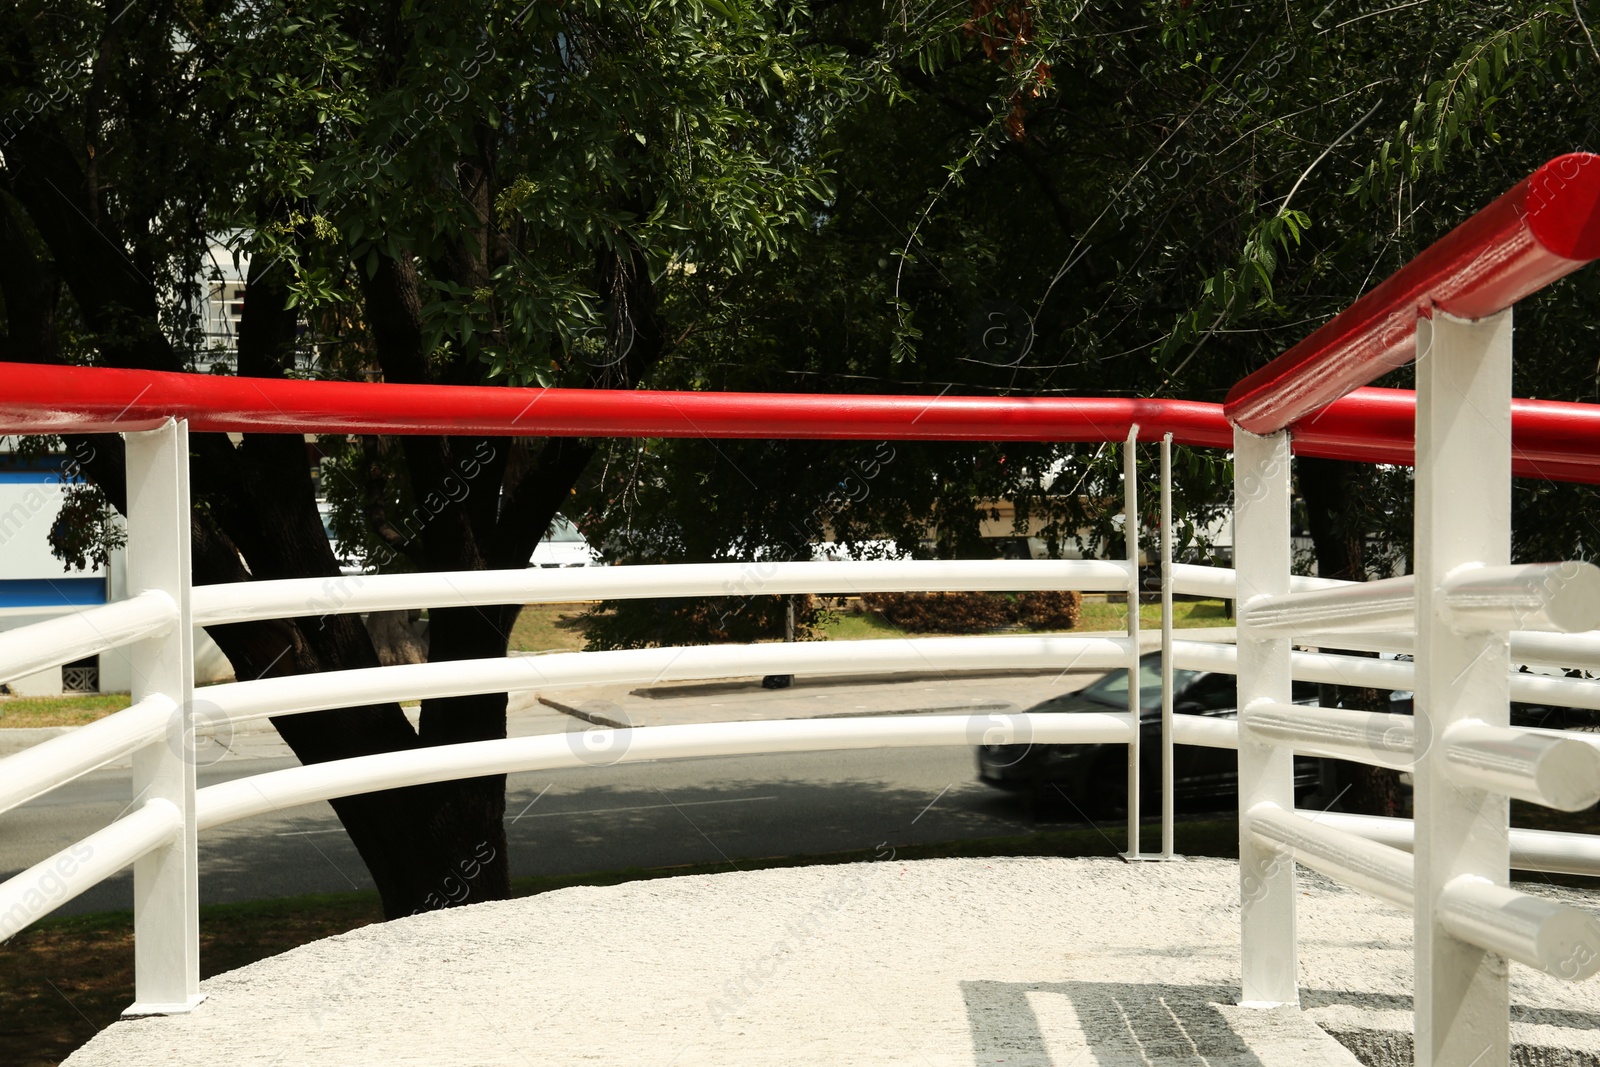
[(1053, 609), (697, 621), (976, 613), (942, 613)]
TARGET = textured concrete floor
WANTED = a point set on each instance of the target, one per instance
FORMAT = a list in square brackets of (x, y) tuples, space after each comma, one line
[(934, 962)]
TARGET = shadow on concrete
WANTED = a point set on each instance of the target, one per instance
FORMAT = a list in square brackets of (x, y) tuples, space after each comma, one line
[(1520, 1013), (1116, 1023), (1389, 1047), (575, 821)]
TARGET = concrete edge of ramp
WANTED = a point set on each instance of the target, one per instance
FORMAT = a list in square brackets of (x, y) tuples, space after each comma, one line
[(1031, 961)]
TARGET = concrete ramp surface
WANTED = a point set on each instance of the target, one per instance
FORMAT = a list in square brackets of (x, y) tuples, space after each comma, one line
[(1029, 961)]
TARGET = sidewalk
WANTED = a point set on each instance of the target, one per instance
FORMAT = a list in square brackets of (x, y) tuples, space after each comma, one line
[(931, 963)]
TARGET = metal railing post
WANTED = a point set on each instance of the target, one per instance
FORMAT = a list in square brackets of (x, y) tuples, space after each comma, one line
[(1463, 502), (165, 883), (1130, 536), (1266, 770), (1166, 648)]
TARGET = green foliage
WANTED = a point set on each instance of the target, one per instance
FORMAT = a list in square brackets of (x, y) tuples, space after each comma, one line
[(693, 131), (976, 613), (1049, 609), (1195, 190), (946, 613), (729, 620), (1005, 198), (87, 529)]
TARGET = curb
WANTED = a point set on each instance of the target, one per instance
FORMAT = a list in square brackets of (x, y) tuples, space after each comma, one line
[(16, 738), (974, 708)]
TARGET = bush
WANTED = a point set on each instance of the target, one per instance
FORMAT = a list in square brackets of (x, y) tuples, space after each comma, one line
[(942, 613), (976, 613), (697, 621), (1053, 609)]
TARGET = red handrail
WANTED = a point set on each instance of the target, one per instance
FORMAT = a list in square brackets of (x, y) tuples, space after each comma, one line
[(45, 399), (1544, 228), (1553, 440)]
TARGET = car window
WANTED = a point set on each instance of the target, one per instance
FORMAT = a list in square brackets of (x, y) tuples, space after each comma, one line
[(561, 529), (1212, 692), (1112, 690)]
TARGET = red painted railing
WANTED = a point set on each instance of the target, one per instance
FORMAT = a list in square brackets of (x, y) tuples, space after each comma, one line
[(1552, 440), (1543, 229)]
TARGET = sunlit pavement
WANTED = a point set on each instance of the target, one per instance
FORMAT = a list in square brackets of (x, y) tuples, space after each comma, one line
[(933, 962)]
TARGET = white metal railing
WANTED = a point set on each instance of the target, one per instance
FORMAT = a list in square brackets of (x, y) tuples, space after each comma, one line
[(1463, 602), (158, 836), (292, 694), (155, 625), (277, 790), (294, 597), (88, 632)]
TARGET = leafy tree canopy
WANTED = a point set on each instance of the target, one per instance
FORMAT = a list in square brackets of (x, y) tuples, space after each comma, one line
[(1125, 199)]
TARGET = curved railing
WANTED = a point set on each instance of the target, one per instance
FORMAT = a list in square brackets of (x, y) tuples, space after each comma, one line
[(1465, 595)]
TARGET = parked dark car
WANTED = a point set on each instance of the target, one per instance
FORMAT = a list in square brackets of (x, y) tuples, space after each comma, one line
[(1095, 777)]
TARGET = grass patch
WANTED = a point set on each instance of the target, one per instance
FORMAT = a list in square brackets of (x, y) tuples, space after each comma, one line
[(857, 626), (1100, 615), (1095, 615), (63, 980), (559, 627), (549, 628), (73, 709)]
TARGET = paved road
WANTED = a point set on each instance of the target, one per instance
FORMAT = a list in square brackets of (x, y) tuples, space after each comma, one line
[(574, 821), (610, 818)]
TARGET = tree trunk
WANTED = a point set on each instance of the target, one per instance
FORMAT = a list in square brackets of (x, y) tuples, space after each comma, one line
[(255, 517), (1330, 490)]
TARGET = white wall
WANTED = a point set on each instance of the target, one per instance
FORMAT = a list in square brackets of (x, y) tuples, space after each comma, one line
[(29, 504)]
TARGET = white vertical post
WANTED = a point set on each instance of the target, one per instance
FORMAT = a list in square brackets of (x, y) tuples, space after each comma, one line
[(1266, 770), (1130, 536), (1166, 648), (1463, 515), (165, 885)]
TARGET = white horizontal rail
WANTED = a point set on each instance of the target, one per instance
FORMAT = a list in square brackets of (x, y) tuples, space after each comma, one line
[(1206, 731), (1363, 672), (1357, 607), (1377, 738), (1222, 583), (1307, 666), (1562, 692), (299, 597), (60, 759), (52, 882), (238, 701), (1580, 650), (1377, 869), (1557, 597), (1541, 767), (1555, 938), (88, 632), (1531, 850), (264, 793), (1531, 647)]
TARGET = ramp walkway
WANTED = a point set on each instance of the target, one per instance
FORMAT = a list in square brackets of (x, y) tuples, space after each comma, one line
[(934, 963)]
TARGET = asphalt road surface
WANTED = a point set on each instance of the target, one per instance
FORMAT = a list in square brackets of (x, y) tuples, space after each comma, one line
[(575, 821)]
